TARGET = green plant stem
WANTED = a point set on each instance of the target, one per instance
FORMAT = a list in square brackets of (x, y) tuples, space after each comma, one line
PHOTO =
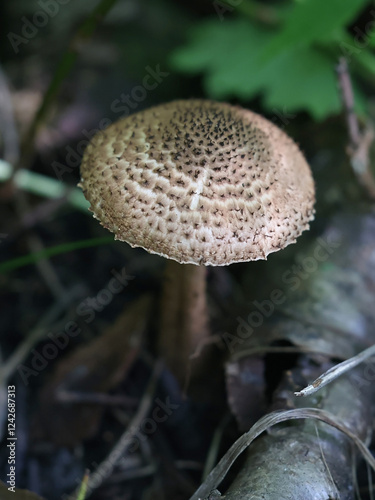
[(18, 262), (42, 185), (83, 490)]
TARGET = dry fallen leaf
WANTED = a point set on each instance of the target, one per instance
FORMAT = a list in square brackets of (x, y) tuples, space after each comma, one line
[(95, 367)]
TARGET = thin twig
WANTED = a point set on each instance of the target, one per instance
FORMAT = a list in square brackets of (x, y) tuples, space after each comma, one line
[(360, 142), (369, 479), (44, 267), (266, 349), (35, 244), (334, 487), (8, 123), (213, 339), (348, 102), (37, 333), (215, 446), (8, 368), (28, 144), (336, 371), (140, 472), (97, 398), (105, 468)]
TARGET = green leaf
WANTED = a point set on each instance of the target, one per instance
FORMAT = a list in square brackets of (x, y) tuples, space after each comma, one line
[(311, 21), (303, 78), (365, 58), (361, 60), (224, 53), (210, 42)]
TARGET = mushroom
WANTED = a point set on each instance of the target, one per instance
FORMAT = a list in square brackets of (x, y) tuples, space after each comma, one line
[(202, 183)]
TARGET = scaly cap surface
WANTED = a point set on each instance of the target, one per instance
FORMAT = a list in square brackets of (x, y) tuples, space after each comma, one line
[(199, 182)]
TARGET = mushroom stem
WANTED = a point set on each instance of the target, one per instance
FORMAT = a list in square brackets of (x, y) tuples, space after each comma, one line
[(184, 316)]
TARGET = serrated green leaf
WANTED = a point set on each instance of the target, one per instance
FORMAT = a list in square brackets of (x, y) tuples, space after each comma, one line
[(302, 78), (310, 21), (225, 54), (210, 43), (306, 80)]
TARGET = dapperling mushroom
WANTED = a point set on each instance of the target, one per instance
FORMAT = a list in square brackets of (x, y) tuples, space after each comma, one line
[(202, 183)]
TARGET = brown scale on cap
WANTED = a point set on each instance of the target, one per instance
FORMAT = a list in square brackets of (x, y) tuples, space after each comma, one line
[(199, 182)]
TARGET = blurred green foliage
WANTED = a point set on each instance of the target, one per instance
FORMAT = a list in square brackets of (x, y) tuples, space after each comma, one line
[(284, 52)]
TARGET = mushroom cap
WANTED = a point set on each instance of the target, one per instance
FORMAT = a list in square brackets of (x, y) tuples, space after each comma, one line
[(200, 182)]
